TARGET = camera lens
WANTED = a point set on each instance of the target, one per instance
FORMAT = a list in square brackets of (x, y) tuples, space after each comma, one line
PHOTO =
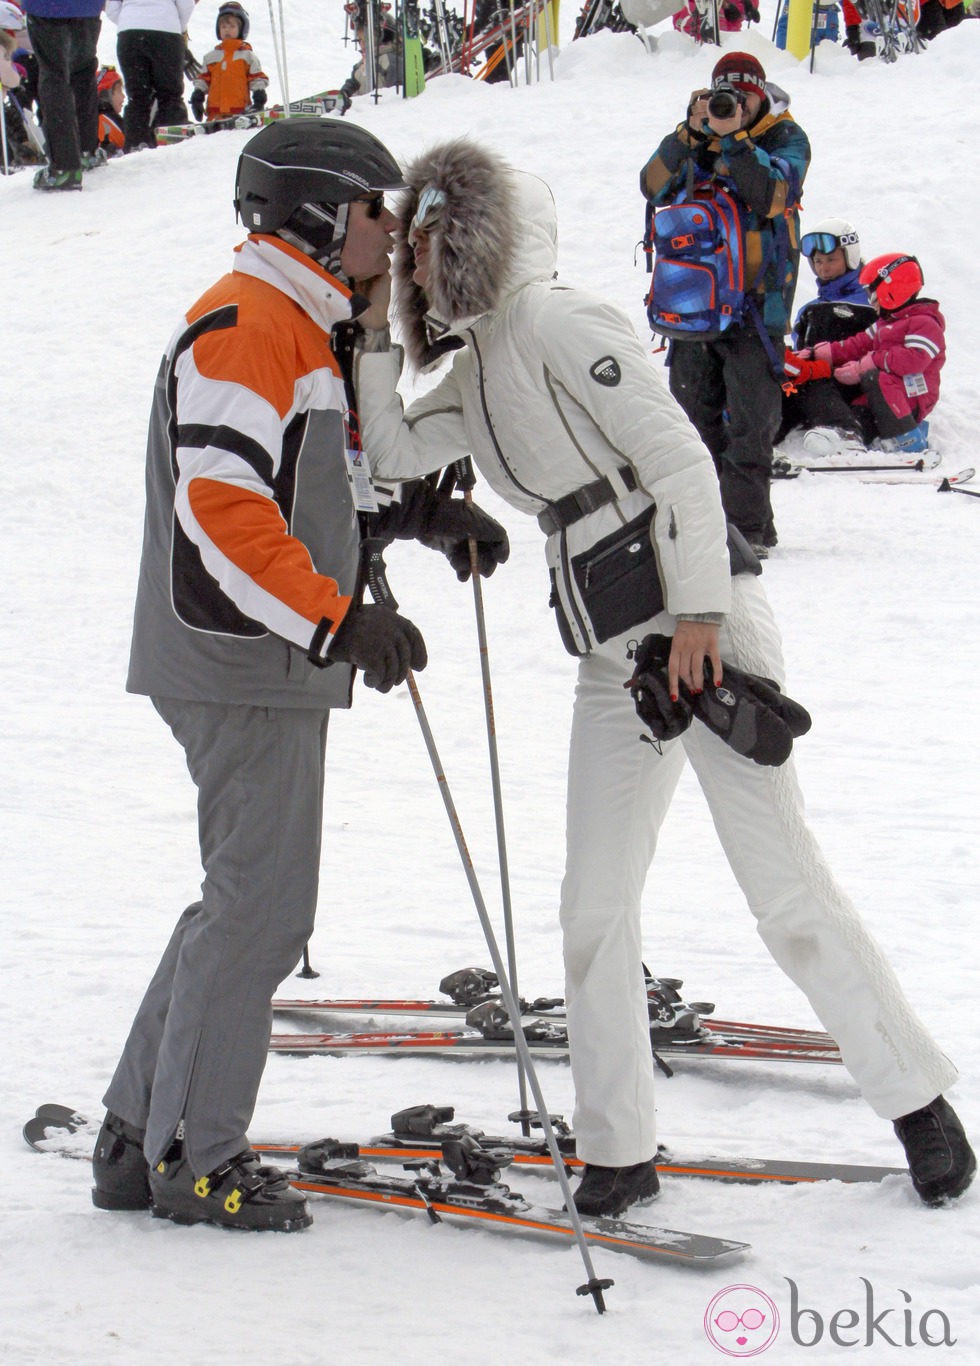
[(722, 105)]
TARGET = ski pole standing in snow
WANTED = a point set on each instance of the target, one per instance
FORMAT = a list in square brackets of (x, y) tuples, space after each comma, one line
[(465, 479), (279, 51), (382, 595)]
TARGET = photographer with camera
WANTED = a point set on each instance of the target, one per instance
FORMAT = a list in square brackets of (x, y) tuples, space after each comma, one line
[(740, 132)]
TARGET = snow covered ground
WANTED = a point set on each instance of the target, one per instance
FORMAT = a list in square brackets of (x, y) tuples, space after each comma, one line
[(876, 589)]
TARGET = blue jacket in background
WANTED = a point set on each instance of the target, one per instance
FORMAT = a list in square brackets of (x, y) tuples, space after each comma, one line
[(846, 289), (63, 9)]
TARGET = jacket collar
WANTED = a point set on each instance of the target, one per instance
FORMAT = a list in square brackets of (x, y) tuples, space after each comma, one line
[(283, 266)]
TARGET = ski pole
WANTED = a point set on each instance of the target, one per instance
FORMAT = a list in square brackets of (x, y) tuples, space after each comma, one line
[(285, 60), (464, 479), (917, 467), (947, 487), (3, 129), (307, 970), (382, 594), (280, 59)]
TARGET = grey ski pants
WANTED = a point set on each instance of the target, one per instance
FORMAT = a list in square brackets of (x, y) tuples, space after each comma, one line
[(198, 1045)]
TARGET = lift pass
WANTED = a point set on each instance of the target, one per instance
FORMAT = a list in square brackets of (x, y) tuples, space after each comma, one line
[(361, 484), (915, 385)]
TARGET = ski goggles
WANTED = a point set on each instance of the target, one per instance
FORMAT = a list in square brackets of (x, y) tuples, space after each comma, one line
[(825, 242), (428, 212)]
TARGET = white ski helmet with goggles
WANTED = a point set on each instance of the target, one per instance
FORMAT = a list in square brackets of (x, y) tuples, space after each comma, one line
[(830, 234), (12, 17), (298, 176)]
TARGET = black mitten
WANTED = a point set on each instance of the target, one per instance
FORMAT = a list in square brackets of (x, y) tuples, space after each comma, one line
[(197, 104), (750, 714), (449, 524), (651, 693), (258, 98)]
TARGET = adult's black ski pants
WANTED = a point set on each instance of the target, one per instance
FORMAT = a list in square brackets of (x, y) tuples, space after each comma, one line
[(66, 91)]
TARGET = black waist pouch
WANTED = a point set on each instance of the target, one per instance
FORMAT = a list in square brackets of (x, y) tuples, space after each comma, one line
[(617, 578)]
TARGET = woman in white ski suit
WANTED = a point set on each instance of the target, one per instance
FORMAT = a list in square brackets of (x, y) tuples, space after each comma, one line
[(554, 396)]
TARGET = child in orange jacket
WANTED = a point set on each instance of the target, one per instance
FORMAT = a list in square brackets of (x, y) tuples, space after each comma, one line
[(112, 97), (233, 79)]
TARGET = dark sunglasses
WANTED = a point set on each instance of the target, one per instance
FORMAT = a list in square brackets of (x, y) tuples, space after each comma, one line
[(375, 204)]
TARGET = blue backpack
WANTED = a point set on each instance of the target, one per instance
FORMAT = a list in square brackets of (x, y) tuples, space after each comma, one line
[(696, 250)]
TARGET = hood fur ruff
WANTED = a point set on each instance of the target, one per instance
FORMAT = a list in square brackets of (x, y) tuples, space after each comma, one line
[(476, 255)]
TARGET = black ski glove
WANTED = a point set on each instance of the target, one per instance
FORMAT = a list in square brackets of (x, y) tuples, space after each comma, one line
[(651, 692), (197, 104), (448, 524), (382, 643), (258, 99), (748, 712)]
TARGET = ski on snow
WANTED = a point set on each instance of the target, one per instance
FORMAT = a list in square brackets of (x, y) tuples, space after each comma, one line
[(325, 102), (676, 1026), (458, 1184), (419, 1132)]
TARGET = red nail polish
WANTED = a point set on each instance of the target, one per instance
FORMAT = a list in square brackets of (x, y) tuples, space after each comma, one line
[(673, 697)]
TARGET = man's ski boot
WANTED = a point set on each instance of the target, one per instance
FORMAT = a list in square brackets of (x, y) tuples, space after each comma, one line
[(121, 1172), (239, 1193), (941, 1162), (611, 1190)]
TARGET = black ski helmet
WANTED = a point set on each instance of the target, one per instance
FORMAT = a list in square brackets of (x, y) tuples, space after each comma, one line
[(236, 11), (298, 175)]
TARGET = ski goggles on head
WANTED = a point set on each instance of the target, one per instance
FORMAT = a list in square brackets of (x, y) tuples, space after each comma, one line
[(825, 242), (428, 212)]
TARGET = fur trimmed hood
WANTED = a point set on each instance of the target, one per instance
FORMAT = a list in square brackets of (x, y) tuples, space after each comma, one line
[(497, 233)]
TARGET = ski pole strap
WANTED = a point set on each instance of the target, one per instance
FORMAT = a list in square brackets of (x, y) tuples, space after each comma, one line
[(376, 572), (458, 475), (574, 506)]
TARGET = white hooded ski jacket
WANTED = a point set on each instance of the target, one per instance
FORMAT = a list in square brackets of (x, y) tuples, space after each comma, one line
[(551, 391)]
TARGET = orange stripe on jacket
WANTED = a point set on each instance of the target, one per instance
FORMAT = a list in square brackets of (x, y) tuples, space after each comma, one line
[(249, 531), (253, 353)]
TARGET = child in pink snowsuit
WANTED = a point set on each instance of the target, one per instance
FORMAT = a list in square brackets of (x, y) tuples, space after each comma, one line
[(896, 363)]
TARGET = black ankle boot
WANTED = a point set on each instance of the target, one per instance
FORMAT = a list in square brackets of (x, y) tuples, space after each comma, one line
[(119, 1167), (611, 1190), (941, 1161)]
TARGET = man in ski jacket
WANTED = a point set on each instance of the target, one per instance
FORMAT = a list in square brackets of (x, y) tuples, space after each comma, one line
[(553, 394), (248, 627), (730, 388)]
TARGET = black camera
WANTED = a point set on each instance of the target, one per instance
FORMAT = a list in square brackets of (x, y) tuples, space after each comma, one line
[(725, 101)]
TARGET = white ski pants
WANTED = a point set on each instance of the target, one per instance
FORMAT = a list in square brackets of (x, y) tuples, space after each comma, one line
[(619, 790)]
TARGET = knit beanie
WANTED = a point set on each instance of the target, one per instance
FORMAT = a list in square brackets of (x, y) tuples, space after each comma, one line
[(743, 71)]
